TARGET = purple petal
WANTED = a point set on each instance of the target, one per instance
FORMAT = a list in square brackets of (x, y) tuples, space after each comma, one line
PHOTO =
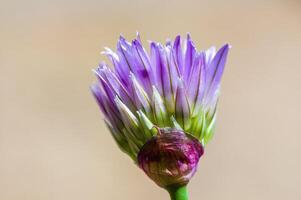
[(182, 109), (174, 71), (107, 107), (196, 83), (144, 71), (209, 54), (178, 54), (157, 65), (215, 71), (189, 57), (142, 99), (101, 99), (124, 52), (135, 58), (114, 84), (166, 75)]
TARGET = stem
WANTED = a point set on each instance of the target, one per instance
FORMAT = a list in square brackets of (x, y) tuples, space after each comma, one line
[(178, 192)]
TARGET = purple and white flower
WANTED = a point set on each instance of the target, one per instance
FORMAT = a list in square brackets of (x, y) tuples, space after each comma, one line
[(168, 95)]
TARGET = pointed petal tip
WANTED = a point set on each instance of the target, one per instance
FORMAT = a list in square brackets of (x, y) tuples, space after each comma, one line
[(121, 37), (168, 42), (93, 87), (97, 71), (137, 42), (138, 36), (226, 46), (122, 42), (152, 44), (188, 36), (177, 40), (223, 51), (94, 71), (101, 66)]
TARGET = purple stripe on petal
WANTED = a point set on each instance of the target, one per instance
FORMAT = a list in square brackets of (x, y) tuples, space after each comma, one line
[(145, 74), (201, 89), (100, 97), (156, 63), (165, 76), (110, 94), (108, 108), (124, 55), (118, 88), (189, 57), (215, 71), (196, 83), (173, 70), (121, 71), (142, 99), (182, 109), (178, 54), (134, 56)]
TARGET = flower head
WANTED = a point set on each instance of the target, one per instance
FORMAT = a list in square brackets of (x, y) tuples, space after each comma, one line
[(161, 103)]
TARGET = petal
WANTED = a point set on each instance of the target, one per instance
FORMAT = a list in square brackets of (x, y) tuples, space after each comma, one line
[(128, 117), (112, 82), (131, 124), (160, 114), (173, 70), (146, 123), (208, 133), (100, 97), (209, 54), (133, 57), (126, 64), (178, 54), (108, 108), (157, 64), (166, 73), (120, 140), (196, 84), (215, 71), (145, 73), (189, 57), (182, 110), (141, 97), (175, 123), (120, 66), (145, 119)]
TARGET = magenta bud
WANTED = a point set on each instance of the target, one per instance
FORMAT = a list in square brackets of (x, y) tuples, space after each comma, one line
[(170, 158)]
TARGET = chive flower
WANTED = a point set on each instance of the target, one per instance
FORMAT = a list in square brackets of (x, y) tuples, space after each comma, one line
[(160, 107)]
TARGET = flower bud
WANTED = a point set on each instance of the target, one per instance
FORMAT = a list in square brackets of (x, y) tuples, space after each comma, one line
[(170, 158)]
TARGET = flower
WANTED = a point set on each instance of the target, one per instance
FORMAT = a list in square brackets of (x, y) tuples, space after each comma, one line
[(161, 107)]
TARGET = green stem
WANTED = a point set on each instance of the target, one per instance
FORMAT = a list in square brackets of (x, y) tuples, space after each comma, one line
[(178, 192)]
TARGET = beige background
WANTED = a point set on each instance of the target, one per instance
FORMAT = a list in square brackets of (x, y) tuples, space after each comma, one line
[(53, 143)]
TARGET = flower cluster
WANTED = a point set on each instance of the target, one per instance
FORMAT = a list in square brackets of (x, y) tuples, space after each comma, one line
[(172, 89)]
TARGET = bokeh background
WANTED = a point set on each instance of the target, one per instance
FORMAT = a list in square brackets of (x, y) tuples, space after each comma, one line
[(53, 142)]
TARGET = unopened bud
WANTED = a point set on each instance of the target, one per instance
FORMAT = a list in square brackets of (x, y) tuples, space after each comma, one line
[(170, 158)]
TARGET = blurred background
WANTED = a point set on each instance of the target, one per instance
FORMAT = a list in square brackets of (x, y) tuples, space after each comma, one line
[(53, 142)]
